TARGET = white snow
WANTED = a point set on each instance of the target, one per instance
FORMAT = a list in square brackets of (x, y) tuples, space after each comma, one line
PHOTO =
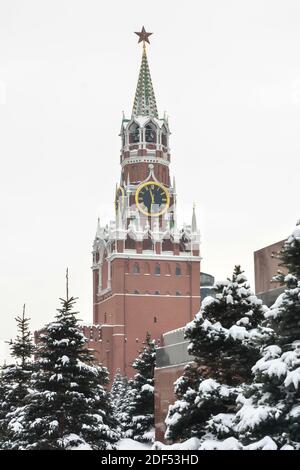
[(148, 388), (238, 332), (208, 386), (129, 444), (191, 444), (64, 360), (207, 301), (266, 443), (251, 416), (228, 444), (293, 377)]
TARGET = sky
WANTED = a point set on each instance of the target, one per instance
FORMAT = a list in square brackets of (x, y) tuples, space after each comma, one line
[(227, 72)]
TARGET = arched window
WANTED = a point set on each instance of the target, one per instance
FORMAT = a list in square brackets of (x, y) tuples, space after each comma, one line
[(154, 319), (157, 269), (164, 139), (136, 268), (150, 133), (178, 270), (105, 318), (134, 133), (147, 268), (123, 138)]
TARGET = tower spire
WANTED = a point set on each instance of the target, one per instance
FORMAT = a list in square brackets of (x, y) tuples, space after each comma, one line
[(144, 100), (194, 219)]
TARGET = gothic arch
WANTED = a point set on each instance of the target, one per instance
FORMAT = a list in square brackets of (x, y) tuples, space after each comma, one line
[(134, 133), (150, 132)]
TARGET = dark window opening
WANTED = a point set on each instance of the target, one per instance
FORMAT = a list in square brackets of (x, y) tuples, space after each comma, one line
[(150, 133), (178, 271)]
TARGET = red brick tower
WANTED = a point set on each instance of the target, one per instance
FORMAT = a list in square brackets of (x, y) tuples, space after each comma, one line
[(146, 270)]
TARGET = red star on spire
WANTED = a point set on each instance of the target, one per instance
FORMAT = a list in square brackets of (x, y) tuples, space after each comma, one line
[(143, 36)]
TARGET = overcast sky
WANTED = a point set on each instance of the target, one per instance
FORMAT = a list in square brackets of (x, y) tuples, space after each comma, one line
[(228, 74)]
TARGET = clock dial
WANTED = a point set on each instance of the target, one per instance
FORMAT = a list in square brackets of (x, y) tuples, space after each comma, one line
[(119, 200), (152, 198)]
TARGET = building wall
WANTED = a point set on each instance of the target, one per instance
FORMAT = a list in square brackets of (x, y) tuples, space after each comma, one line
[(266, 267), (143, 301), (164, 395)]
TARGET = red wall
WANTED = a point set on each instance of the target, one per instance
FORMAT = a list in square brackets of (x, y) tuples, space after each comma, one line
[(128, 316)]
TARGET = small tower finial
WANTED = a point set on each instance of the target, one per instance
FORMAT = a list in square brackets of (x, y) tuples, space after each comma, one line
[(194, 219), (143, 36), (67, 284)]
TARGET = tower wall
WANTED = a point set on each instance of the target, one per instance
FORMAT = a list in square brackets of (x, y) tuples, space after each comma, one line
[(144, 301), (146, 270)]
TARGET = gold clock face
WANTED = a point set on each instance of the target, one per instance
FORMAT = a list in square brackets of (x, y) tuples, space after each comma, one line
[(152, 198), (119, 200)]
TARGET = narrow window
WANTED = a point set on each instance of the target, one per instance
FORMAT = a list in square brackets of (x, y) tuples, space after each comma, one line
[(157, 269), (178, 270), (136, 268)]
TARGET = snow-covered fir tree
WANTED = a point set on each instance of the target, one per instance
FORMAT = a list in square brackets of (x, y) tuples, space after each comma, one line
[(270, 407), (225, 339), (69, 406), (140, 410), (119, 396), (15, 378)]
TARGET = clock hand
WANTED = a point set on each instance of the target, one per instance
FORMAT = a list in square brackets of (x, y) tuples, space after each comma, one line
[(152, 197)]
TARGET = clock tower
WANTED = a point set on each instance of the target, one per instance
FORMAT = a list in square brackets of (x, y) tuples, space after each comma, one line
[(146, 269)]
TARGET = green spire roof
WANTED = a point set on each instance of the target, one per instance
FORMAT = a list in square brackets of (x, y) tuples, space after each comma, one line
[(144, 100)]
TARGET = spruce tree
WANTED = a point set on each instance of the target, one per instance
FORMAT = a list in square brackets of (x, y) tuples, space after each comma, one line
[(140, 411), (225, 338), (15, 378), (69, 406), (270, 407), (119, 396)]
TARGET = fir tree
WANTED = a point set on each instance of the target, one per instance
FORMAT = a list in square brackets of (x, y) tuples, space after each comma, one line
[(119, 396), (225, 338), (16, 377), (140, 411), (69, 406), (270, 407)]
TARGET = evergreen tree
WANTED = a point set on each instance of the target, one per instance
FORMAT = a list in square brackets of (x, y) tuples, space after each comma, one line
[(119, 396), (140, 411), (225, 339), (270, 407), (69, 406), (15, 378)]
